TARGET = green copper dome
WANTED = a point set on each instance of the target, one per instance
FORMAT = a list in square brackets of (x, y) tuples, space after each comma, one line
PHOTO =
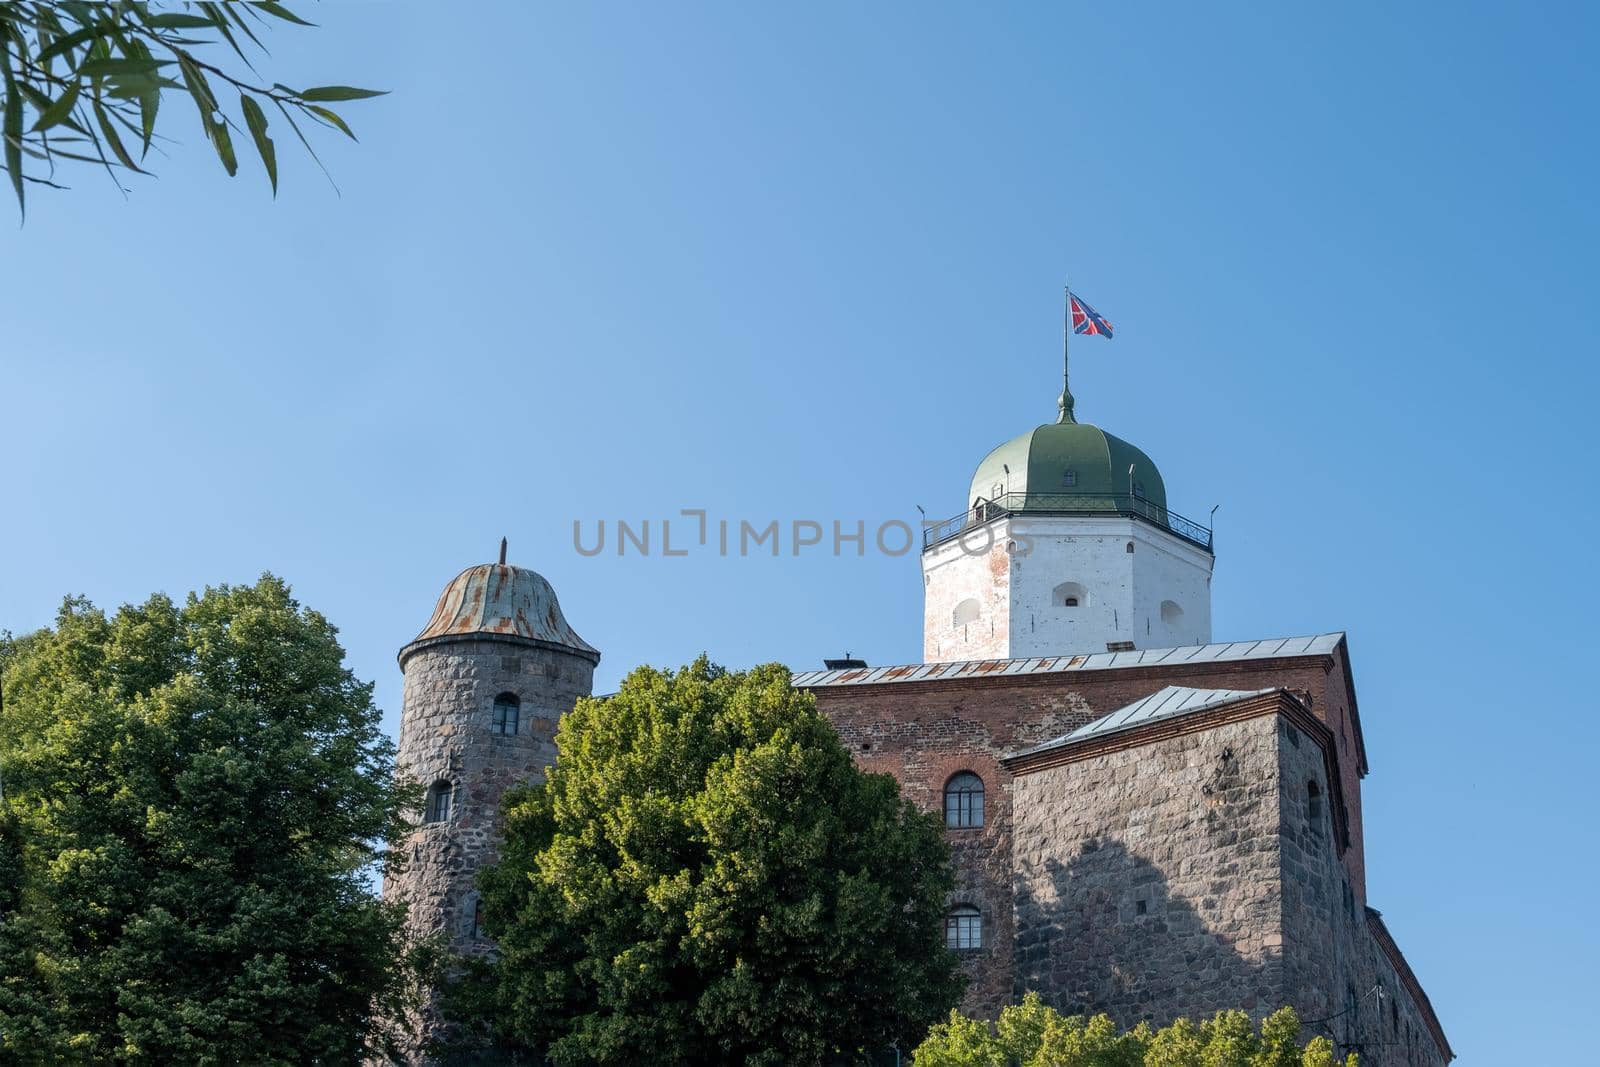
[(1068, 466)]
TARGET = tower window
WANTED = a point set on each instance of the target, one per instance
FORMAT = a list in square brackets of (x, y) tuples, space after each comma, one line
[(1130, 546), (1314, 804), (966, 612), (1069, 478), (1171, 612), (963, 801), (438, 806), (507, 714), (477, 917), (963, 929), (1069, 595)]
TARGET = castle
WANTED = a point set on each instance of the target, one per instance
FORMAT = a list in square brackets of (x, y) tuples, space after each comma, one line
[(1143, 822)]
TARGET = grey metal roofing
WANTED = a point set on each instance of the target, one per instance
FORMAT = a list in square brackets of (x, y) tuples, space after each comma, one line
[(1225, 651), (1168, 703)]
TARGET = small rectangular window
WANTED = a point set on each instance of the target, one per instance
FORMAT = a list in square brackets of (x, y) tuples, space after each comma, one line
[(438, 805), (507, 712), (1069, 479), (963, 929)]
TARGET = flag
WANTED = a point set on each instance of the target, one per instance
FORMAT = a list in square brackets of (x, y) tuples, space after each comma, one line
[(1086, 319)]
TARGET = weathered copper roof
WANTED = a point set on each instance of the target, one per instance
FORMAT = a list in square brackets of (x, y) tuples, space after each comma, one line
[(494, 598)]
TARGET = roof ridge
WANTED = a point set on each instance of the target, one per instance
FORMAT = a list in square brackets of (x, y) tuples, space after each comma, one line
[(1214, 652)]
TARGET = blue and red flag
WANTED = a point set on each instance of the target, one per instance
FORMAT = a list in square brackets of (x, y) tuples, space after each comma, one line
[(1086, 319)]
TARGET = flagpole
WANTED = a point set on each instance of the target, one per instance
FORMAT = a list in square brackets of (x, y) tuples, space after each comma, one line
[(1066, 403)]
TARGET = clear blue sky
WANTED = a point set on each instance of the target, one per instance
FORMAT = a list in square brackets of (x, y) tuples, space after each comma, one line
[(610, 262)]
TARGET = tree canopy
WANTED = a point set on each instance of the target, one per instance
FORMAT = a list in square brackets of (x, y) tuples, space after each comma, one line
[(84, 82), (193, 799), (1033, 1034), (707, 877)]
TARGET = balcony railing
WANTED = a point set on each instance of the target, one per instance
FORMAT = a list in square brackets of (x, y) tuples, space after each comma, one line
[(1130, 505)]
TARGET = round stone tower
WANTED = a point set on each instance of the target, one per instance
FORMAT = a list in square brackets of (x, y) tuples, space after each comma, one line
[(485, 683)]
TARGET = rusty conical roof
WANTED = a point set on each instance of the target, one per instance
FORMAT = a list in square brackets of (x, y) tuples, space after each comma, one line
[(494, 598)]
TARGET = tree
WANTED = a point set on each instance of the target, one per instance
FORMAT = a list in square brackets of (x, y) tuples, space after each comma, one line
[(707, 877), (84, 82), (194, 797), (1032, 1034)]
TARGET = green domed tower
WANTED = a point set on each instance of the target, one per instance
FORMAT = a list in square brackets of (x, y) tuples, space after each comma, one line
[(1067, 547)]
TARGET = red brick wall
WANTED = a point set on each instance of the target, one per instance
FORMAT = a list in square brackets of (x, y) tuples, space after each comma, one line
[(923, 732)]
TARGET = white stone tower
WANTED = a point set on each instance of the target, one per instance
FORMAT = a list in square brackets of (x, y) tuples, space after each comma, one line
[(485, 683), (1067, 548)]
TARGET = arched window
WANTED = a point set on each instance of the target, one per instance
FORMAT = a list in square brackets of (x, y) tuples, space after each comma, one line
[(1171, 612), (507, 712), (1314, 805), (966, 613), (963, 928), (1130, 546), (963, 801), (438, 806), (1069, 595)]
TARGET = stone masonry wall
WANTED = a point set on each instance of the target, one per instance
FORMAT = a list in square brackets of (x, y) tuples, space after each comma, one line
[(1332, 961), (1147, 879), (923, 732), (446, 735)]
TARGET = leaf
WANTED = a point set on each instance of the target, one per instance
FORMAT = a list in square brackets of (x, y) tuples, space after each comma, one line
[(295, 126), (204, 102), (59, 111), (219, 18), (178, 22), (149, 104), (282, 12), (111, 135), (100, 68), (329, 116), (257, 121), (339, 92), (72, 40), (223, 143), (11, 129)]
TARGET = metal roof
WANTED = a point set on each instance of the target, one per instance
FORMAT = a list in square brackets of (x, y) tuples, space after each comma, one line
[(1037, 461), (1221, 652), (1168, 703), (497, 599)]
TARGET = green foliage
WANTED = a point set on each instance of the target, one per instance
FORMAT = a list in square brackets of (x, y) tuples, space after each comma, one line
[(82, 82), (707, 877), (194, 798), (1031, 1034)]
